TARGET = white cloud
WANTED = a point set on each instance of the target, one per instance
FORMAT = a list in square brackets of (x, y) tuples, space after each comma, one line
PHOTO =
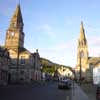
[(94, 45), (94, 41), (93, 29), (66, 52), (62, 53), (47, 29)]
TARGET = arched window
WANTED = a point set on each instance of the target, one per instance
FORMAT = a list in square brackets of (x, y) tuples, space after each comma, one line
[(81, 54)]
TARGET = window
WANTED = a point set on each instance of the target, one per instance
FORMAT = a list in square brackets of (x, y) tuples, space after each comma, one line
[(81, 54), (22, 61)]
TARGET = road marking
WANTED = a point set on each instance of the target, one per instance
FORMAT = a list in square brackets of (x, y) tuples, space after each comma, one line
[(67, 98)]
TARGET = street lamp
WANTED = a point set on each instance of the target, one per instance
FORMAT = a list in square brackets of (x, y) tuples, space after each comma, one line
[(91, 71), (41, 71), (17, 77), (81, 55)]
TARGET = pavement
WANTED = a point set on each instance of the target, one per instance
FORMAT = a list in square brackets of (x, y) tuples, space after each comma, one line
[(78, 93), (90, 90)]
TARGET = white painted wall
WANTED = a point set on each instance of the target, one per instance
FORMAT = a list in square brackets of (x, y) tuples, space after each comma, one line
[(96, 75)]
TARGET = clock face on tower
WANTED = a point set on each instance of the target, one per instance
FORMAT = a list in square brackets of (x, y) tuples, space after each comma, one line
[(12, 33)]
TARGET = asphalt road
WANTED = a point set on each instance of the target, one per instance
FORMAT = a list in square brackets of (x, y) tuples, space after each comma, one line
[(49, 91)]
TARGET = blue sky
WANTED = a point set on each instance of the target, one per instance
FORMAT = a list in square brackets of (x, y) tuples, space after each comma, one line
[(53, 26)]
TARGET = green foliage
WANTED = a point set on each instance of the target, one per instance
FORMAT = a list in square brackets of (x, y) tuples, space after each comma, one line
[(48, 69)]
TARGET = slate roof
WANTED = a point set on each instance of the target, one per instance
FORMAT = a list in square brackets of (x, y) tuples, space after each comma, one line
[(94, 60)]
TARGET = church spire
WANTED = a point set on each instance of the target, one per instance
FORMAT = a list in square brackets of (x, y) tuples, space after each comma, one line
[(82, 50), (82, 32), (15, 34), (17, 20)]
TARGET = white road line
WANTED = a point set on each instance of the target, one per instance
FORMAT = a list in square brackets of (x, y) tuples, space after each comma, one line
[(67, 98)]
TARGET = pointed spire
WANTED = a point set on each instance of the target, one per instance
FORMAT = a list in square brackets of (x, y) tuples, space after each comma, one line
[(17, 17), (82, 32), (19, 2)]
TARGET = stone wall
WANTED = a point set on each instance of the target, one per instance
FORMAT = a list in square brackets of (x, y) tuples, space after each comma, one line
[(4, 66)]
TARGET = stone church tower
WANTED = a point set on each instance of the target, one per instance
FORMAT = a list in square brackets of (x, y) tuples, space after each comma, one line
[(25, 66), (15, 34), (82, 54)]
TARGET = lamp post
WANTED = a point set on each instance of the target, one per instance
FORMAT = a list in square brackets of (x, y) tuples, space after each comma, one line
[(17, 77), (80, 70), (91, 71), (41, 71), (81, 55)]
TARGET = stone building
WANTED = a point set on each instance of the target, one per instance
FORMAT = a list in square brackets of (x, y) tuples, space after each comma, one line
[(4, 66), (24, 63), (83, 58), (95, 71), (37, 66), (65, 72)]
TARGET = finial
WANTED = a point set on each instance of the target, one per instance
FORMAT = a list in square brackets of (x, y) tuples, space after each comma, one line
[(82, 24), (19, 2), (37, 50)]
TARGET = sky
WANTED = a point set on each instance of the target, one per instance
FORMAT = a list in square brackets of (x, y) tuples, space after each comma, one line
[(53, 26)]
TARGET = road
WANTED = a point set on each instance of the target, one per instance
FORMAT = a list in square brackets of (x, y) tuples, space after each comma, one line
[(49, 91)]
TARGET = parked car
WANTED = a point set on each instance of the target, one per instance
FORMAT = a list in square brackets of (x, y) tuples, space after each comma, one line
[(98, 93), (64, 83)]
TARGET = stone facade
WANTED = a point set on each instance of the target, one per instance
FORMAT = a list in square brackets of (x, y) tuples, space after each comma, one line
[(24, 64), (82, 50), (4, 66), (65, 72), (22, 67), (83, 58), (37, 66)]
